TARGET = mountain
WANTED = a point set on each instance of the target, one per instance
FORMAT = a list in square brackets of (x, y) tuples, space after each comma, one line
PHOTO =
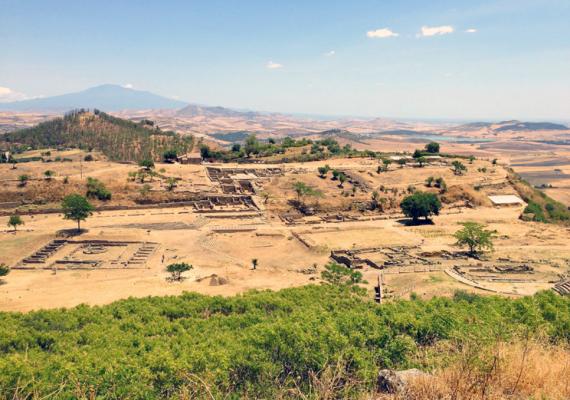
[(119, 139), (103, 97), (193, 110)]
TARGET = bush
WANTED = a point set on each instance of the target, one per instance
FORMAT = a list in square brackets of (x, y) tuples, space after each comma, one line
[(432, 147), (96, 189), (255, 345), (88, 157)]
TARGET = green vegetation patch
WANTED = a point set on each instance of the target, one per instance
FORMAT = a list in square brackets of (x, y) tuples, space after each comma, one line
[(255, 345)]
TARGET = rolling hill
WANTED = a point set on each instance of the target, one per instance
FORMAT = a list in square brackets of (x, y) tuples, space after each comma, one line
[(515, 125), (193, 110), (103, 97), (117, 138)]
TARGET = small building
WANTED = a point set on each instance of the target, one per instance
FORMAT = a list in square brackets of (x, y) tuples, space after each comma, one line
[(190, 158), (506, 200)]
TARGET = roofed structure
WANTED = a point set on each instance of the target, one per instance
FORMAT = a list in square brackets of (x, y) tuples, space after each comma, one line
[(506, 200)]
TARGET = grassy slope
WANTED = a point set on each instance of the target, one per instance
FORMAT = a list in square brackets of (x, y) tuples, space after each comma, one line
[(257, 345)]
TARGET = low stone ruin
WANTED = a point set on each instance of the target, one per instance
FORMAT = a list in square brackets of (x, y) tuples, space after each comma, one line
[(40, 256), (382, 257), (73, 254)]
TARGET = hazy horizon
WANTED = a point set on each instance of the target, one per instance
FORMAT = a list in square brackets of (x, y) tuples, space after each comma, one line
[(445, 61)]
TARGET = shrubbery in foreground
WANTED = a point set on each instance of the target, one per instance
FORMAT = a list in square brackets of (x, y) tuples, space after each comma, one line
[(254, 345)]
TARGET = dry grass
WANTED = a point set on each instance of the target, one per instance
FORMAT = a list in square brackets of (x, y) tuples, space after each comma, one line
[(521, 370)]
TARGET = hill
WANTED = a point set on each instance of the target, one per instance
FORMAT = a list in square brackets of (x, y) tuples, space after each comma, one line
[(104, 97), (514, 125), (117, 138), (193, 110)]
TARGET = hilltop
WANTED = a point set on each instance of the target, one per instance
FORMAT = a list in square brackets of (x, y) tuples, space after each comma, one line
[(117, 138), (106, 97)]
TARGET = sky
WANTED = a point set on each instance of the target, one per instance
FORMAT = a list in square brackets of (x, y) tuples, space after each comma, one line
[(468, 60)]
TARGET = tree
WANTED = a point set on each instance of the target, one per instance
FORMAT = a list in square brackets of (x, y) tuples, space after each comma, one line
[(422, 161), (88, 157), (341, 276), (23, 180), (236, 147), (471, 159), (417, 153), (342, 179), (323, 171), (458, 167), (146, 164), (335, 174), (441, 185), (474, 236), (377, 202), (76, 207), (14, 221), (4, 270), (420, 204), (49, 174), (251, 145), (402, 162), (177, 269), (432, 147), (170, 183), (429, 181), (302, 190), (205, 152), (494, 161), (169, 155), (386, 163)]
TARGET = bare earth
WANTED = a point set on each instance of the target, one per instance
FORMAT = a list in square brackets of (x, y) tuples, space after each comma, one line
[(291, 249)]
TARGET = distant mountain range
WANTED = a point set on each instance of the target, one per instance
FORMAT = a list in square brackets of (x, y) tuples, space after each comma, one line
[(103, 97)]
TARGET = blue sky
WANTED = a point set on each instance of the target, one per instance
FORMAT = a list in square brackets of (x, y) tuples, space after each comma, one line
[(408, 59)]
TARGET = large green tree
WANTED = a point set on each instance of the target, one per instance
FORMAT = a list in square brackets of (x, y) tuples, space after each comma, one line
[(420, 204), (76, 208), (475, 236)]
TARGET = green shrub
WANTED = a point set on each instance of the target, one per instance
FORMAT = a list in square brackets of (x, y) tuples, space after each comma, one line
[(96, 189)]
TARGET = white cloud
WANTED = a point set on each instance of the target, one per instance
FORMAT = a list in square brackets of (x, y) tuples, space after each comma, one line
[(273, 65), (381, 33), (330, 53), (436, 30), (128, 86), (8, 95), (471, 30)]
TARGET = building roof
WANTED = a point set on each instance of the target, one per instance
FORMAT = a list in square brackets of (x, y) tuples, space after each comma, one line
[(506, 199)]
